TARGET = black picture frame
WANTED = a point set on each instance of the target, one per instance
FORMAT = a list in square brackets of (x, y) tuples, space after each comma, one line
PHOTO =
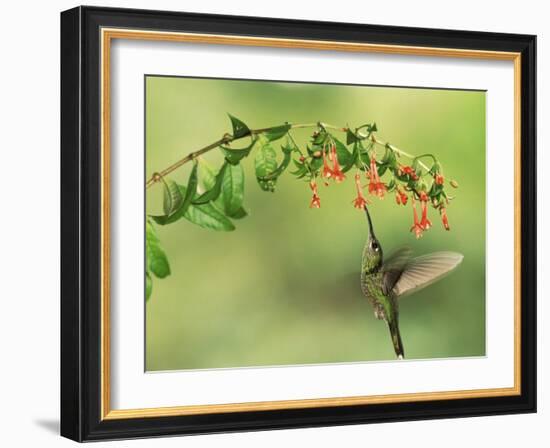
[(81, 224)]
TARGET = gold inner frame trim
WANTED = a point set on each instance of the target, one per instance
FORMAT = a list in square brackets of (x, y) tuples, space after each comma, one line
[(107, 35)]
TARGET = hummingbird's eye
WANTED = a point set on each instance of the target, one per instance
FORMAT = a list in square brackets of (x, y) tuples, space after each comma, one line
[(374, 246)]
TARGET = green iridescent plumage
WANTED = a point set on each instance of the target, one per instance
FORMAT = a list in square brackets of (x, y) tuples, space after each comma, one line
[(384, 282)]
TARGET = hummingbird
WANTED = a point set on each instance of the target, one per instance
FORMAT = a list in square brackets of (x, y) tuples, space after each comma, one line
[(385, 281)]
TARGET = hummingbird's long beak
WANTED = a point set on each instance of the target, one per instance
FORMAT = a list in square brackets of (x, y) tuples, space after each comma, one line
[(371, 229)]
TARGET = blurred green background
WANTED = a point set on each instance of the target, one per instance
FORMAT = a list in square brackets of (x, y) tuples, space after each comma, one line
[(283, 288)]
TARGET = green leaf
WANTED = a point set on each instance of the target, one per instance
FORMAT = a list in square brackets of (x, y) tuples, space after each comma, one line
[(316, 163), (370, 129), (299, 165), (239, 128), (288, 148), (233, 189), (344, 156), (287, 151), (208, 180), (436, 168), (239, 214), (277, 132), (353, 159), (148, 285), (234, 156), (320, 138), (364, 158), (301, 169), (172, 197), (299, 173), (266, 163), (435, 190), (215, 191), (389, 157), (391, 185), (351, 137), (205, 215), (157, 262), (209, 217), (207, 175), (381, 168), (187, 195)]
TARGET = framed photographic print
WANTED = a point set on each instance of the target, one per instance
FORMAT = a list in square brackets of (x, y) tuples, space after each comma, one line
[(273, 223)]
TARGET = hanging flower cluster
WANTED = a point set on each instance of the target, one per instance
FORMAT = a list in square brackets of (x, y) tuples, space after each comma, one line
[(419, 183), (376, 186), (334, 172)]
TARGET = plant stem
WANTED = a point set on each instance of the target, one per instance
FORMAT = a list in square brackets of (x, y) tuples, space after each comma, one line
[(156, 177), (228, 138), (295, 144)]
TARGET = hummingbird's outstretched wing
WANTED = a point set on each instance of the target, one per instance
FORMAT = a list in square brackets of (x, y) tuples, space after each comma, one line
[(425, 270), (393, 268)]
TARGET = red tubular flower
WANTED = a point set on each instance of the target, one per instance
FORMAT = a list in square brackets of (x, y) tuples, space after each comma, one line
[(337, 173), (409, 171), (374, 170), (327, 171), (376, 187), (439, 179), (360, 201), (372, 183), (444, 218), (380, 190), (401, 197), (425, 223), (416, 227), (315, 200)]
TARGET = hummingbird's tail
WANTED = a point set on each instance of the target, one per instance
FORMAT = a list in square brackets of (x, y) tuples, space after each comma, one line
[(396, 338)]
